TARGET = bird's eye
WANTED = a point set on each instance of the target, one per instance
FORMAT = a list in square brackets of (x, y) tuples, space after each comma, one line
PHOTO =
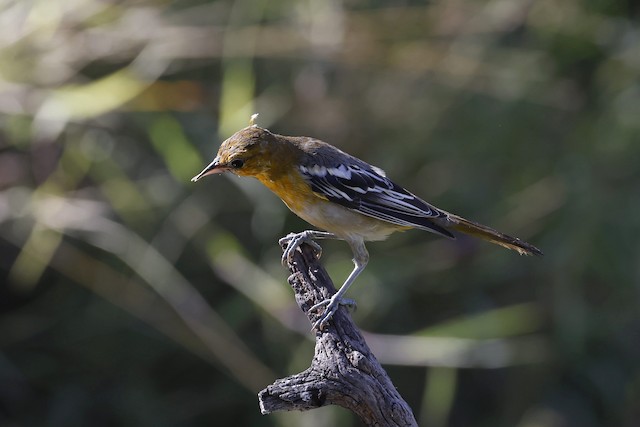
[(237, 163)]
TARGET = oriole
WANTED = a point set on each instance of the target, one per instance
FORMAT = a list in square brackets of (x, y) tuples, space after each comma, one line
[(332, 190)]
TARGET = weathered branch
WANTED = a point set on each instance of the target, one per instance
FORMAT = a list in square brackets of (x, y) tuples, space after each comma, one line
[(343, 371)]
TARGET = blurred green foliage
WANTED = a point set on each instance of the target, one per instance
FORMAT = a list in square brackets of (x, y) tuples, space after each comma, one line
[(132, 297)]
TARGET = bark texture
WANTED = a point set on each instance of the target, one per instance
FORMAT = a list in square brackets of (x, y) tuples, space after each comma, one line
[(343, 371)]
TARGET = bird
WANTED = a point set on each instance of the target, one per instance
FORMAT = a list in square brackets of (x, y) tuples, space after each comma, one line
[(345, 197)]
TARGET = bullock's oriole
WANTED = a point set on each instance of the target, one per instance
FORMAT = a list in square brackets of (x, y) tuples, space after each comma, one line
[(332, 190)]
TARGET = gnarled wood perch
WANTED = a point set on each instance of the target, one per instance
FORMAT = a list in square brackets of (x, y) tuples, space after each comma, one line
[(343, 371)]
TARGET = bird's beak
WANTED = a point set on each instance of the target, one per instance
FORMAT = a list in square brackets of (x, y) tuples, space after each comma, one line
[(213, 168)]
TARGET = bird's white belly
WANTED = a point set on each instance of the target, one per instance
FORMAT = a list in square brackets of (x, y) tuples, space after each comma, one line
[(344, 222)]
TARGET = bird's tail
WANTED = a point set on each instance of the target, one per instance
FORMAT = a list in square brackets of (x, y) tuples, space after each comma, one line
[(487, 233)]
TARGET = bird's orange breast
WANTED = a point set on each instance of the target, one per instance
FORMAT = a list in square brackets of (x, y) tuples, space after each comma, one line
[(292, 189)]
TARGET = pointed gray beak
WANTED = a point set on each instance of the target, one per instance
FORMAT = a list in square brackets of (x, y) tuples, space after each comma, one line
[(213, 168)]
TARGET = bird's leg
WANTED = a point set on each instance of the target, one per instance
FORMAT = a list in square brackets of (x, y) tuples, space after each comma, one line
[(294, 240), (360, 259)]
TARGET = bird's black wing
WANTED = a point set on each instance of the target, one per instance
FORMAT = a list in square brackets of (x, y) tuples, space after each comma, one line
[(365, 189)]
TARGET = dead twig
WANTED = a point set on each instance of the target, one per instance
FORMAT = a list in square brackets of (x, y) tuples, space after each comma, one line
[(343, 371)]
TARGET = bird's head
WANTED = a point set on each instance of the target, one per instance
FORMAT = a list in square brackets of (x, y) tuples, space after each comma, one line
[(247, 152)]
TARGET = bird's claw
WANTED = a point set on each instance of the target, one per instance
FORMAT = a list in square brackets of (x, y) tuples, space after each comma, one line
[(332, 305), (293, 242)]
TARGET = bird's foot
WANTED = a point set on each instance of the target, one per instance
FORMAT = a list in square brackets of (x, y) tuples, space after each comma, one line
[(293, 242), (331, 305)]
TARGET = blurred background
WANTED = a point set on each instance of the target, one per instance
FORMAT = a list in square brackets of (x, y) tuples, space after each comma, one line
[(130, 296)]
